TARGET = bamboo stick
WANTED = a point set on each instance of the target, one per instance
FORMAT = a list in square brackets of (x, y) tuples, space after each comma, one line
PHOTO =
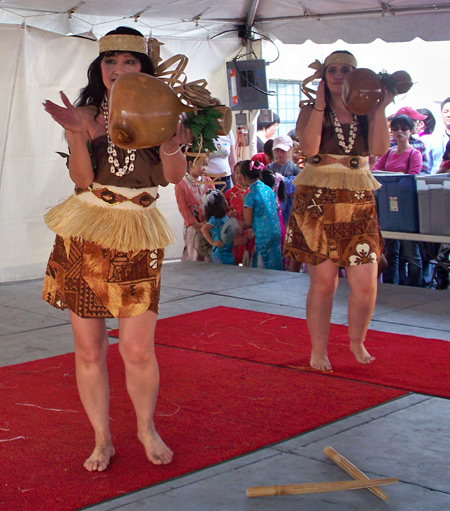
[(346, 465), (300, 489)]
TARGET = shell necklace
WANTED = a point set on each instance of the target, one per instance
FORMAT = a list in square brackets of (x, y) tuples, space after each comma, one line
[(115, 167), (340, 133)]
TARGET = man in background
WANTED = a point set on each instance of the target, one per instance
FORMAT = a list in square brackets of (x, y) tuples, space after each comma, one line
[(438, 141)]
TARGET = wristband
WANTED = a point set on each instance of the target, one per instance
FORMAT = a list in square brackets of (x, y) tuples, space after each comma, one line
[(170, 154)]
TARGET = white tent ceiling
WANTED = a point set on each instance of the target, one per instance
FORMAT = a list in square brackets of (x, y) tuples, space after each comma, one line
[(291, 21)]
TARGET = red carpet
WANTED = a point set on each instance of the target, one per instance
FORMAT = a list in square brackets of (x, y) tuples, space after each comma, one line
[(402, 361), (211, 408)]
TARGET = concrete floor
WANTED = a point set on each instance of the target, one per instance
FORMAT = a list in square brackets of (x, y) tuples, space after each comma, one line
[(406, 438)]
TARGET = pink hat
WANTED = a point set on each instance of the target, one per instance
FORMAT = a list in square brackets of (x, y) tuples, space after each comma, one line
[(410, 112), (283, 142)]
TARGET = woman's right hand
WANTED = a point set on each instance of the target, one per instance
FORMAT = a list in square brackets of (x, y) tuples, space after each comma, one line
[(320, 102), (68, 116)]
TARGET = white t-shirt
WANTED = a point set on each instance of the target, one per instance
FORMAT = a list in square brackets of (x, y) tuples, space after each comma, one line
[(218, 160)]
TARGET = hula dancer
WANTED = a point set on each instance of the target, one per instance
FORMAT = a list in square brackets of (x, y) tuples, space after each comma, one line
[(333, 221)]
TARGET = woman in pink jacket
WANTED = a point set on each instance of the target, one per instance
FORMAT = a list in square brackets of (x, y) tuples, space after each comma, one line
[(402, 158)]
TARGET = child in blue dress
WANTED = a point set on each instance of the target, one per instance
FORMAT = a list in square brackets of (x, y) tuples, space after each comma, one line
[(261, 214), (216, 207)]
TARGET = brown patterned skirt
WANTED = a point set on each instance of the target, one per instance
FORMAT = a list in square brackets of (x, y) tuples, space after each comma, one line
[(95, 282), (341, 225)]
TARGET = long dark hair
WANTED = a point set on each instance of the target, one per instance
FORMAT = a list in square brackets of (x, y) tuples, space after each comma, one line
[(268, 178), (252, 169), (95, 90)]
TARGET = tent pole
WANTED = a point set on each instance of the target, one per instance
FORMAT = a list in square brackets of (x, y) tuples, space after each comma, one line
[(251, 13)]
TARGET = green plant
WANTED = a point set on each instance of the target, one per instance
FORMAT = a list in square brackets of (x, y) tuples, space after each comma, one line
[(203, 124), (398, 83), (387, 81)]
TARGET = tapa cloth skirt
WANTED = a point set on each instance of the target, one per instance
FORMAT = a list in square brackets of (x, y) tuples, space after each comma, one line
[(95, 282), (335, 224), (107, 257)]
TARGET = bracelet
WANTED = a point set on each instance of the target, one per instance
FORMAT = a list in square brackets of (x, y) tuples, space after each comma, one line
[(170, 154), (317, 110)]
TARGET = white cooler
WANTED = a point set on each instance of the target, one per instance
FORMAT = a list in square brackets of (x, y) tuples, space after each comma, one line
[(434, 203)]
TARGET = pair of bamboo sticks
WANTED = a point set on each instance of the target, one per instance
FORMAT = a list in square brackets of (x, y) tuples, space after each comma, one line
[(361, 480)]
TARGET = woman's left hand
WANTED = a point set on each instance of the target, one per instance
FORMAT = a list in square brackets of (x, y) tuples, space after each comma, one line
[(183, 135), (388, 98)]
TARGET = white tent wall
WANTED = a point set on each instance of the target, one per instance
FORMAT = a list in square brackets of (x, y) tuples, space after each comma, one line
[(32, 176)]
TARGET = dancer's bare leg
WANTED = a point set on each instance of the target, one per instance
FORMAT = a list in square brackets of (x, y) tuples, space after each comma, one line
[(319, 305), (361, 304), (91, 347), (137, 348)]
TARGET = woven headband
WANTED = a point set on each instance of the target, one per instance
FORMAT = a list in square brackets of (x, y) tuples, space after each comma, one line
[(340, 58), (319, 68), (123, 42)]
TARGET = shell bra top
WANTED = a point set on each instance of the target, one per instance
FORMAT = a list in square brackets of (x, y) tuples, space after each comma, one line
[(330, 145), (147, 166)]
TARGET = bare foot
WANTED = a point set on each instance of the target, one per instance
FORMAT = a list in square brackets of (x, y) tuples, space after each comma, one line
[(155, 448), (100, 458), (320, 362), (361, 354)]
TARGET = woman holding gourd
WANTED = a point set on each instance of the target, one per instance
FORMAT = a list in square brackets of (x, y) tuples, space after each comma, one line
[(107, 257), (333, 222)]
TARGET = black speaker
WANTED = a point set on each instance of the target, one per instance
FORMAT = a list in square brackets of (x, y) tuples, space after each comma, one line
[(247, 84)]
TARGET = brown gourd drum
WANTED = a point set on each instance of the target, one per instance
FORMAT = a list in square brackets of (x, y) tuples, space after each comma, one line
[(144, 112), (363, 90)]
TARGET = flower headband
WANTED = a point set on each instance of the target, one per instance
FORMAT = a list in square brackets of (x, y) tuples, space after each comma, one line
[(256, 164), (210, 197), (123, 42), (339, 57)]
